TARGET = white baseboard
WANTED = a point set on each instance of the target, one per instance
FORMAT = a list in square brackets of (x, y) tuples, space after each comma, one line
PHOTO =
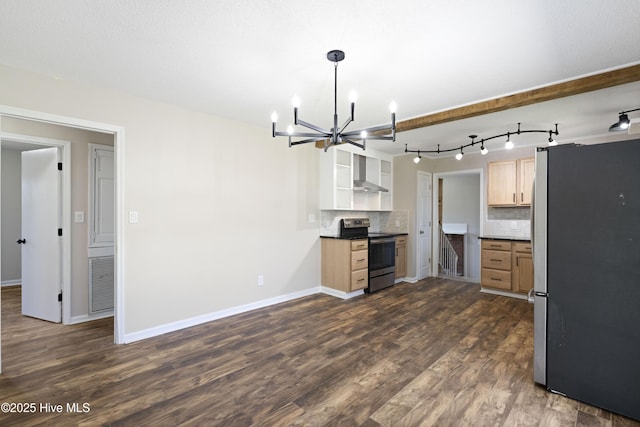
[(340, 294), (11, 282), (176, 326)]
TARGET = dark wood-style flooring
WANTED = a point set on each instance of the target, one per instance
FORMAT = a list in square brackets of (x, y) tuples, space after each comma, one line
[(437, 352)]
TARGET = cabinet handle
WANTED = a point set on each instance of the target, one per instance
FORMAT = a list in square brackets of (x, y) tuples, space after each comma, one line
[(496, 260), (522, 197), (360, 260), (497, 280), (360, 280), (514, 197)]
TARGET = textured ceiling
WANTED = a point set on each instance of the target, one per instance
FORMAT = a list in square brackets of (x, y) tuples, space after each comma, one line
[(244, 59)]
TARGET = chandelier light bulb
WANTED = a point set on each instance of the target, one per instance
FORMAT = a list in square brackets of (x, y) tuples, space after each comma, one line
[(353, 96), (290, 129), (459, 155), (416, 159), (483, 150), (363, 134), (296, 102), (393, 106), (274, 117), (552, 142)]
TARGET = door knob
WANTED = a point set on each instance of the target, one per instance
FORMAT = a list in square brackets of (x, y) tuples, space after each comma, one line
[(21, 241), (421, 231)]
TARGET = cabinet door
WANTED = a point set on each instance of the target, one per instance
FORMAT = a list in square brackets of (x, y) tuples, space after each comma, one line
[(524, 272), (501, 185), (401, 259), (526, 172)]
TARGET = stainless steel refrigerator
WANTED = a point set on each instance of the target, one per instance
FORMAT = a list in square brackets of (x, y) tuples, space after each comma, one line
[(586, 254)]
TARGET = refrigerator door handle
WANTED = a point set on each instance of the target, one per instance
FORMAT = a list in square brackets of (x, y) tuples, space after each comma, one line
[(530, 297)]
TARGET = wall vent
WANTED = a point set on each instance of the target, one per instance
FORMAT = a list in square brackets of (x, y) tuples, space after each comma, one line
[(101, 284)]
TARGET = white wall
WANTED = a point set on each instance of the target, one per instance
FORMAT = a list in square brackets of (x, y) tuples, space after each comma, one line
[(219, 202)]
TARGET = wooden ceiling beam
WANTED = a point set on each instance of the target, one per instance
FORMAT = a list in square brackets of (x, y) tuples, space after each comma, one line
[(559, 90)]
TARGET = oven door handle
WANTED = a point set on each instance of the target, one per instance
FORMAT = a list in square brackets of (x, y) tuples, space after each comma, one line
[(381, 241)]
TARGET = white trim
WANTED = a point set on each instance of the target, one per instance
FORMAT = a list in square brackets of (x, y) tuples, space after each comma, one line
[(89, 317), (418, 252), (11, 282), (503, 293), (407, 279), (340, 294), (216, 315), (65, 146), (118, 135)]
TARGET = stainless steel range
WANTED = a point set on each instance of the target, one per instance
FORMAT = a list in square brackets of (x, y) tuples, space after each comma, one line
[(382, 248)]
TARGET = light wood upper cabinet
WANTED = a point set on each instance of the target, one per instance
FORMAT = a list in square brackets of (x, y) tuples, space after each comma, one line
[(509, 183), (526, 172)]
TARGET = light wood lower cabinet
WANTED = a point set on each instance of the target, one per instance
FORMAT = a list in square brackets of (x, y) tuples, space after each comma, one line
[(401, 256), (507, 266), (345, 264), (522, 267)]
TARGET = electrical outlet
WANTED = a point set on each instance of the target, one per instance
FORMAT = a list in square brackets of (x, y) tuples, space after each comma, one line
[(261, 280), (514, 225)]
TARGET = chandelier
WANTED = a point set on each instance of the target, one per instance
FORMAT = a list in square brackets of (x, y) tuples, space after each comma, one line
[(336, 135)]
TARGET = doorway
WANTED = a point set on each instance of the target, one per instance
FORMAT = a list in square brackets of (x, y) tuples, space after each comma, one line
[(117, 135), (36, 201), (458, 206)]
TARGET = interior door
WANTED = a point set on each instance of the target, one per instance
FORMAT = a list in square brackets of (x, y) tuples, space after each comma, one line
[(41, 245), (424, 225)]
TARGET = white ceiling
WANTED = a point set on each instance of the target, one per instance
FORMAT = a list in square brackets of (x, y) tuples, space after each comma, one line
[(244, 59)]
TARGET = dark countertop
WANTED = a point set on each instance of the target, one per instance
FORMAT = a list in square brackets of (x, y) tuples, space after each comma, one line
[(509, 238), (380, 234)]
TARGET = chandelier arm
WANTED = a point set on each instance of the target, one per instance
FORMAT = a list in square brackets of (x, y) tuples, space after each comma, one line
[(344, 126), (354, 143), (314, 127), (306, 141), (304, 135)]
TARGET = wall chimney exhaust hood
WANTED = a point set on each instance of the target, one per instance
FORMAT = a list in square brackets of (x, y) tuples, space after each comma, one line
[(360, 183)]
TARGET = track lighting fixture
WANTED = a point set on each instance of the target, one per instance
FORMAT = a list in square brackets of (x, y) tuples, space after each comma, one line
[(336, 135), (623, 121), (483, 149)]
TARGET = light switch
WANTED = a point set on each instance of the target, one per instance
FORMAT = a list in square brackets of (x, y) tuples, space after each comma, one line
[(133, 217), (78, 216)]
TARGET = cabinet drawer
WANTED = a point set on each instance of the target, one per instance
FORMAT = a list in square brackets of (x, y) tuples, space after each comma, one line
[(359, 279), (357, 245), (401, 240), (359, 260), (496, 245), (523, 247), (498, 260), (496, 279)]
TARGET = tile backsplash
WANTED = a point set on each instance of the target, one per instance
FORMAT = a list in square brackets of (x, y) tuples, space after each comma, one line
[(394, 221)]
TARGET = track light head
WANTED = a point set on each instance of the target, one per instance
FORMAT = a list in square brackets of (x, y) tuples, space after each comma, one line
[(621, 124)]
